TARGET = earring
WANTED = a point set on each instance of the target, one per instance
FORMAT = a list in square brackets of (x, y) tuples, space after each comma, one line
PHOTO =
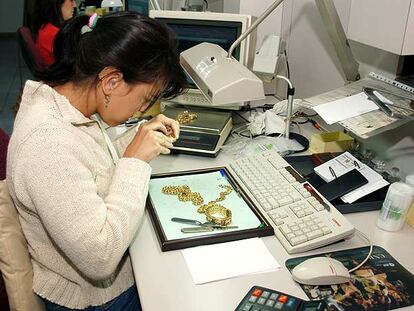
[(107, 100)]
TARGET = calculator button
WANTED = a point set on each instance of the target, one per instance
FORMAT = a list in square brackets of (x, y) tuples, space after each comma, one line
[(278, 305), (247, 307), (261, 301), (283, 298), (274, 296), (252, 299), (270, 303), (265, 294), (256, 308), (257, 292), (290, 302)]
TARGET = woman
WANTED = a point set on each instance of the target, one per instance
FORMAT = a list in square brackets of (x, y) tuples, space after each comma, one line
[(47, 18), (80, 206)]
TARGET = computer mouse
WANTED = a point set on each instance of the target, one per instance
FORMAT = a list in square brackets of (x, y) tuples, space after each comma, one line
[(321, 271)]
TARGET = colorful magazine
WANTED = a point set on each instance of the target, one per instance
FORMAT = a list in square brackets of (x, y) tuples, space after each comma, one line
[(382, 283)]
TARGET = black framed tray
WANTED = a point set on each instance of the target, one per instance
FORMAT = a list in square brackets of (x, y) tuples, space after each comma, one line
[(208, 183)]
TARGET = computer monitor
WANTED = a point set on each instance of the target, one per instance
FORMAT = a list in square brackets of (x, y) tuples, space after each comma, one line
[(140, 6), (192, 28)]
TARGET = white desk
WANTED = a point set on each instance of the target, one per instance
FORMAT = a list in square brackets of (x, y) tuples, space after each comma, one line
[(165, 283)]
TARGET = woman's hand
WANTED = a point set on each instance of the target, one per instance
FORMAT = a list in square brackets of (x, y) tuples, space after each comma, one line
[(153, 138)]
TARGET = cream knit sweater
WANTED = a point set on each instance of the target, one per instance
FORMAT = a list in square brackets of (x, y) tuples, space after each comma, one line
[(79, 212)]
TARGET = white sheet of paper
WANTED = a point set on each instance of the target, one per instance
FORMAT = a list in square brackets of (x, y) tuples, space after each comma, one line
[(227, 260), (345, 108)]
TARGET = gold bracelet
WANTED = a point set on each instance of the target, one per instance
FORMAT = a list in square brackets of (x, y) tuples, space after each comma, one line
[(218, 214)]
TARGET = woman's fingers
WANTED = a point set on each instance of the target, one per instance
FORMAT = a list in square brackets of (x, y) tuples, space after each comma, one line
[(171, 124), (156, 126), (164, 140)]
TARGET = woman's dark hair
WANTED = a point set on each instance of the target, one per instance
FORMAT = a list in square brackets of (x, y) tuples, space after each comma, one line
[(142, 48), (43, 12)]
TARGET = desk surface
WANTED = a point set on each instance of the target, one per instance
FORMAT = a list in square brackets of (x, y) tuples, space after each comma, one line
[(164, 281)]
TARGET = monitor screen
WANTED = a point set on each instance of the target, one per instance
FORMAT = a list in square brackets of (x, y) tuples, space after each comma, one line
[(192, 32), (140, 6)]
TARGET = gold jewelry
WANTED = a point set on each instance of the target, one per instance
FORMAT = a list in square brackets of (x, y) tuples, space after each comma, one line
[(107, 100), (221, 197), (186, 117), (218, 214), (185, 194)]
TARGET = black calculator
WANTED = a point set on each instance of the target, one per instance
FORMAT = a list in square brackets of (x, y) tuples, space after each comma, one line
[(265, 299)]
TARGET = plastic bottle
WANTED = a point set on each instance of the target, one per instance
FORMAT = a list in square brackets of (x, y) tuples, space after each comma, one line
[(398, 200), (410, 215)]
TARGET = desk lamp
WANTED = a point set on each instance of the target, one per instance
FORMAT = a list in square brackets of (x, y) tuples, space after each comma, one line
[(223, 80)]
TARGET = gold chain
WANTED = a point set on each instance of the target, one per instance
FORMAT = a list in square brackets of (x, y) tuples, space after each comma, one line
[(186, 117), (185, 194)]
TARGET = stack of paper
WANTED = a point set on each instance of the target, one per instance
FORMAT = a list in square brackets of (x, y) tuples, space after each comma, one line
[(344, 163)]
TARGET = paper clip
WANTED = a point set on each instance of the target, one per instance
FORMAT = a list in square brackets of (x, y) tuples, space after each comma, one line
[(332, 172), (356, 164)]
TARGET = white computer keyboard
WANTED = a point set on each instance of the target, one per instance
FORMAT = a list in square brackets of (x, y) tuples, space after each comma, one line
[(302, 219)]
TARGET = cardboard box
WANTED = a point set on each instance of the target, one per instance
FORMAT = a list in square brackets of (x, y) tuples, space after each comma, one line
[(330, 142)]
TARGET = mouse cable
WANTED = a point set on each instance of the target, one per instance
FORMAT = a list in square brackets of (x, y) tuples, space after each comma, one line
[(369, 253)]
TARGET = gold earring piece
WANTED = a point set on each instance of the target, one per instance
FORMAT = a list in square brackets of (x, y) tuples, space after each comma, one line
[(107, 100)]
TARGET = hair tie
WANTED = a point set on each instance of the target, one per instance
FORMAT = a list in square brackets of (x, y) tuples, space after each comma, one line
[(93, 19)]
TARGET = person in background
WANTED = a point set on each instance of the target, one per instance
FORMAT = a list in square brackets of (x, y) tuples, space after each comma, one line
[(80, 200), (45, 19)]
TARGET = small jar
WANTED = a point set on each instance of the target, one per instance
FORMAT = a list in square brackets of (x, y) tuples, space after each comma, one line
[(395, 207), (410, 215)]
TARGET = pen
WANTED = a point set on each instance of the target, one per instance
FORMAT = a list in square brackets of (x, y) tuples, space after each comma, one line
[(316, 124), (379, 100), (332, 172)]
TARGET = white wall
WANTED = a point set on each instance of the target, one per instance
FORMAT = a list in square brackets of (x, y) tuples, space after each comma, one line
[(11, 15)]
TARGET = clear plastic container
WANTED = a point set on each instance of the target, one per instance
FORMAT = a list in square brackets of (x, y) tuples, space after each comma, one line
[(394, 209), (410, 215)]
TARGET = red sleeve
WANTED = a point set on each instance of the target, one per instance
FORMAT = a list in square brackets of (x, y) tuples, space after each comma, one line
[(44, 42)]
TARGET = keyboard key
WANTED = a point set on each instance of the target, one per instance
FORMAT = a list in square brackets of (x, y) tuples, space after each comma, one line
[(314, 234), (298, 240)]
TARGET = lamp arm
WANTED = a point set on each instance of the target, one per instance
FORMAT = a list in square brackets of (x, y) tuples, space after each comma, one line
[(249, 30), (338, 37), (290, 94), (155, 4)]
